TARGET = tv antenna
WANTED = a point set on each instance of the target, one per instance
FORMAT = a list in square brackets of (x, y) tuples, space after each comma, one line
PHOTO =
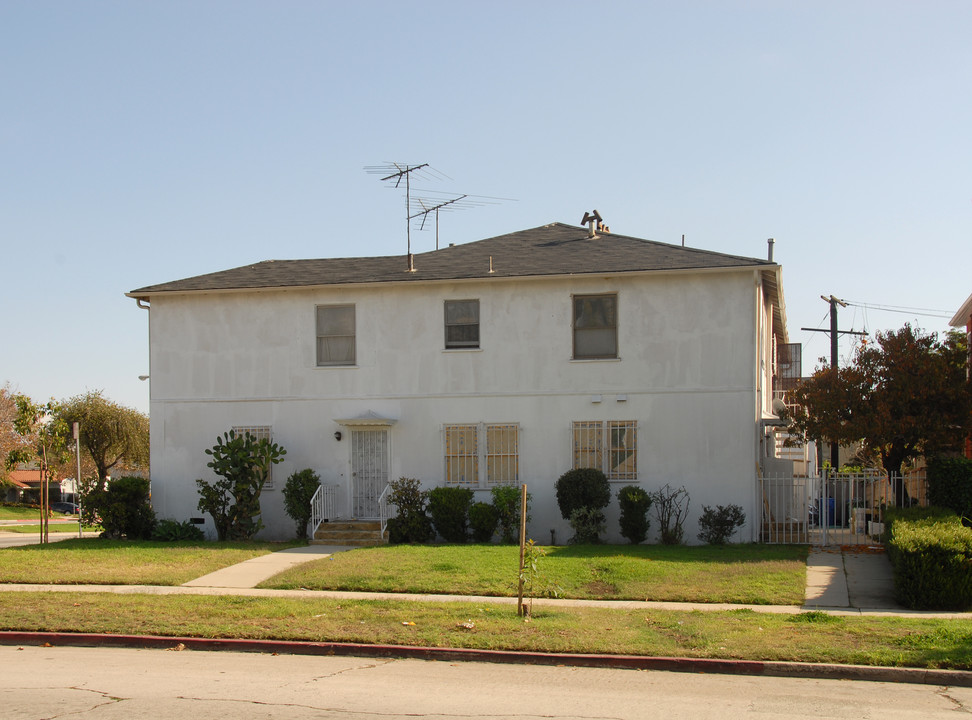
[(420, 204)]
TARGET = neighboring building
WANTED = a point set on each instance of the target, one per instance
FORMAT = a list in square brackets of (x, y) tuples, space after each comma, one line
[(963, 318), (24, 486), (508, 360)]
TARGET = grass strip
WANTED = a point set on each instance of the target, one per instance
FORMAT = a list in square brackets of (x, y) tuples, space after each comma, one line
[(52, 527), (95, 561), (739, 634), (19, 512), (741, 574)]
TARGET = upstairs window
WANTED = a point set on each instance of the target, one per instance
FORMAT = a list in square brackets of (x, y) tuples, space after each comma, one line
[(461, 324), (595, 327), (611, 447), (335, 335)]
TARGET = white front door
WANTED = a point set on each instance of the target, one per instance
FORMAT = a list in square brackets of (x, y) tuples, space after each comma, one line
[(369, 470)]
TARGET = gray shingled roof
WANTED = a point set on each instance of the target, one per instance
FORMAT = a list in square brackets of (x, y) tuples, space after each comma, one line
[(555, 249)]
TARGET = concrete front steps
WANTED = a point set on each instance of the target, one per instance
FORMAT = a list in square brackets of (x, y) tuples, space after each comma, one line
[(352, 533)]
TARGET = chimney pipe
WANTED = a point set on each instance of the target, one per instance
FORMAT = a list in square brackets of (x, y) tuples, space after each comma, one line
[(769, 243)]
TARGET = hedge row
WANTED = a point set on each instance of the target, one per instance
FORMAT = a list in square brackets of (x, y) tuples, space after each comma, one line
[(931, 556)]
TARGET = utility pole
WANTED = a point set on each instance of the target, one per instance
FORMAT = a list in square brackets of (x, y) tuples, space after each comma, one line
[(834, 332)]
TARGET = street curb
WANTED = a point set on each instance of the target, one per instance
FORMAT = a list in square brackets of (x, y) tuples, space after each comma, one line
[(919, 676)]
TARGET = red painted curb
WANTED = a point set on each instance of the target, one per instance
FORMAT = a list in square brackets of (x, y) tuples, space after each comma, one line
[(960, 678)]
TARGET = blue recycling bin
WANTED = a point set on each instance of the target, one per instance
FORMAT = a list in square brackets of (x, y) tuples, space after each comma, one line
[(828, 511)]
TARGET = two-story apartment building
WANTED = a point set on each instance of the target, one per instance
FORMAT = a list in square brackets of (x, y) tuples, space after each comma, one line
[(507, 360)]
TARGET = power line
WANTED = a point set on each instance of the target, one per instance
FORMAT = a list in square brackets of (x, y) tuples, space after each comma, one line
[(924, 312)]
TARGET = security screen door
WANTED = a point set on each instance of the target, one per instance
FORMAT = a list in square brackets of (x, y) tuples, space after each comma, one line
[(369, 471)]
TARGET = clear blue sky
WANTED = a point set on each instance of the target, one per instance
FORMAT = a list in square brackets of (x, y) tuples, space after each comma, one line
[(142, 142)]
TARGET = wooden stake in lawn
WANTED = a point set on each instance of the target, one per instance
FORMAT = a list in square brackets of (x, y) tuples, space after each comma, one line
[(523, 514)]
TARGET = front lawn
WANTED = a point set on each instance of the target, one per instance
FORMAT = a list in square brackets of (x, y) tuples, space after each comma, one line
[(94, 561), (746, 574)]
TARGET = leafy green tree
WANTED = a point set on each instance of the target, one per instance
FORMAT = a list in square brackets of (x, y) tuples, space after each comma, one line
[(112, 435), (903, 396), (243, 465), (10, 440), (41, 439), (298, 493)]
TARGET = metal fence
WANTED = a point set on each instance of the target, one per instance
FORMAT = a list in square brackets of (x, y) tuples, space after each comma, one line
[(836, 508)]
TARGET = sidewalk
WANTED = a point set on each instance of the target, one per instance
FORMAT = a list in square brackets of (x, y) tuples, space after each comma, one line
[(848, 581)]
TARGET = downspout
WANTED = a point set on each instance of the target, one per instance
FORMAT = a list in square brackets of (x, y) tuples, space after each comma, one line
[(146, 306), (757, 429)]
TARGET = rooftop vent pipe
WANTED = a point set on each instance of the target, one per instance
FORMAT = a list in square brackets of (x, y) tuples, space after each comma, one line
[(593, 222), (769, 244)]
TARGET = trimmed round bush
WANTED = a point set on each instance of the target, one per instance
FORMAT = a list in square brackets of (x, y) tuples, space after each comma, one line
[(634, 502), (449, 508), (582, 488), (411, 524), (507, 501), (483, 519), (298, 493)]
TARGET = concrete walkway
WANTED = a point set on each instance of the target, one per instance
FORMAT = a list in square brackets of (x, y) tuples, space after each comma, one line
[(858, 578), (250, 573)]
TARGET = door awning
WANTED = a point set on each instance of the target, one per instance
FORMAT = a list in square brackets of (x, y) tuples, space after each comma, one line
[(370, 418)]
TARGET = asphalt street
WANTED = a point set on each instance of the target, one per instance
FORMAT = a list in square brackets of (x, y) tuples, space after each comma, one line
[(120, 684)]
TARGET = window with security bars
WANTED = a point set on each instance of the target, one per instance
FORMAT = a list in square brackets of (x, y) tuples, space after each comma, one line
[(258, 432), (610, 446), (461, 455), (482, 455)]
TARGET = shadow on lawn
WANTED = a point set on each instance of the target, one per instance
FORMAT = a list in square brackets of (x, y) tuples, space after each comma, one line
[(732, 553)]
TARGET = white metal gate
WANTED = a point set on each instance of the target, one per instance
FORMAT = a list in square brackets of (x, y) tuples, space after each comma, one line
[(837, 509), (369, 471)]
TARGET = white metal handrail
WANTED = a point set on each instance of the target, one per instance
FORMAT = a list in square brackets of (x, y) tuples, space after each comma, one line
[(322, 504), (383, 508)]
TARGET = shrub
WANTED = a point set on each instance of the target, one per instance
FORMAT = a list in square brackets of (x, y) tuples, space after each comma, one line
[(950, 484), (634, 502), (411, 525), (449, 508), (671, 507), (174, 531), (582, 488), (717, 526), (587, 523), (297, 494), (243, 465), (507, 501), (932, 561), (483, 518), (124, 508)]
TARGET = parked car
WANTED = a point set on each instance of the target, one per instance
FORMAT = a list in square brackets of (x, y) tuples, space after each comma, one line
[(68, 508)]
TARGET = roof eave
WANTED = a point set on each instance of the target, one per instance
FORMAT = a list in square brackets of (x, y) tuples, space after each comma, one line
[(963, 316)]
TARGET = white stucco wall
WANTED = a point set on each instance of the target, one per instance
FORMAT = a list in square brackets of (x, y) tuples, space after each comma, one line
[(687, 370)]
